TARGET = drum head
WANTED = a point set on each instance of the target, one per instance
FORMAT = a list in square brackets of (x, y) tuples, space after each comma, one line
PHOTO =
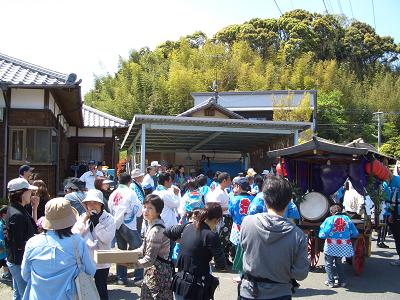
[(314, 207)]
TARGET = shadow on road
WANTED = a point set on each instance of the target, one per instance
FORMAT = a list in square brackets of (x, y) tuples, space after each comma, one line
[(307, 292), (122, 294)]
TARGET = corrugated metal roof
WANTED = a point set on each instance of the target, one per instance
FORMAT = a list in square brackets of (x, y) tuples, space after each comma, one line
[(169, 132), (15, 71), (95, 118), (211, 102)]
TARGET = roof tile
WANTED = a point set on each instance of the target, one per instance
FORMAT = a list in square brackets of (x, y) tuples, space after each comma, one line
[(15, 71)]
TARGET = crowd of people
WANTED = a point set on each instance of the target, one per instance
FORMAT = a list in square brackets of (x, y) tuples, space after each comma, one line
[(182, 228)]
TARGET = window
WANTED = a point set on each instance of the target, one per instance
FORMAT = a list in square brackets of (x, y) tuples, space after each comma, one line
[(89, 152), (17, 144), (35, 145)]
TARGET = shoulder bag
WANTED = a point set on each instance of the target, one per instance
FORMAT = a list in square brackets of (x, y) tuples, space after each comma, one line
[(85, 286)]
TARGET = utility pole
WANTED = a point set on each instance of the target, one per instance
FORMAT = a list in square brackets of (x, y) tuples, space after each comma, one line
[(379, 114)]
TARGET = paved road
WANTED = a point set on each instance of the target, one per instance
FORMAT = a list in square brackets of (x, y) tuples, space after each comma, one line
[(380, 281)]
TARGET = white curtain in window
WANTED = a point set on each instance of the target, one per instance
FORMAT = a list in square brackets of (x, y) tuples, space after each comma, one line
[(89, 151)]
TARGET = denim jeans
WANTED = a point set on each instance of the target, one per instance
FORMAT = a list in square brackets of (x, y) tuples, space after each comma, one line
[(334, 266), (128, 239), (19, 283)]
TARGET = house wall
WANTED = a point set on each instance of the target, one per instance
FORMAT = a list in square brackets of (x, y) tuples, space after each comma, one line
[(2, 157), (45, 172), (218, 114), (27, 98), (256, 99), (90, 132), (31, 117)]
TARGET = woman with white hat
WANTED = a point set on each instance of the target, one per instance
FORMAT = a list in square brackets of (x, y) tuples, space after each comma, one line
[(97, 227), (49, 265), (20, 228)]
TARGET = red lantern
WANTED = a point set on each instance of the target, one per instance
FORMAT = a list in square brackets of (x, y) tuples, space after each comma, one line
[(379, 170), (281, 169)]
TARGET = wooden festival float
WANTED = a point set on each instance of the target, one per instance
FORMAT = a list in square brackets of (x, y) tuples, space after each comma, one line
[(317, 169)]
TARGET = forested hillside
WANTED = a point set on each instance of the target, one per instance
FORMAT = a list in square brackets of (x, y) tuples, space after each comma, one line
[(355, 71)]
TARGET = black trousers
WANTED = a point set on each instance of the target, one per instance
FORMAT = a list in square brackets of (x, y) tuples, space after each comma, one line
[(395, 228), (100, 278)]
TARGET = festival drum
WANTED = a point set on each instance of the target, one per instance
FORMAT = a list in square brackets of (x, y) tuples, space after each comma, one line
[(314, 207)]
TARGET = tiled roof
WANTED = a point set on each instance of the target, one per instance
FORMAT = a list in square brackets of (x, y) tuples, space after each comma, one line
[(95, 118), (15, 71), (207, 104)]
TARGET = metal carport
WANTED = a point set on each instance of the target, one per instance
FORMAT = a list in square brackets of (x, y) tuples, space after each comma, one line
[(199, 134)]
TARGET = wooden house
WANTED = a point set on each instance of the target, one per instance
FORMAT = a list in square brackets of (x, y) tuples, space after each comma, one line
[(43, 122)]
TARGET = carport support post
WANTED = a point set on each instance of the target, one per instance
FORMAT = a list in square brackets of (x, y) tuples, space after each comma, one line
[(134, 155), (296, 137), (143, 148)]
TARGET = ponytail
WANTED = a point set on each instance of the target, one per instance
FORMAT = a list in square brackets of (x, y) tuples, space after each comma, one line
[(211, 211)]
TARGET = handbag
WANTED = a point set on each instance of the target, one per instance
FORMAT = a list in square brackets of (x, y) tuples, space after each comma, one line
[(85, 287)]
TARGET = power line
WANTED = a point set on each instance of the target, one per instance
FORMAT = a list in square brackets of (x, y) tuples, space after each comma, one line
[(340, 6), (373, 12), (291, 2), (278, 7), (351, 9), (331, 7), (326, 9)]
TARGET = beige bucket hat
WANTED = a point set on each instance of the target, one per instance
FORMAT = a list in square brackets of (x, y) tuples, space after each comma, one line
[(59, 214)]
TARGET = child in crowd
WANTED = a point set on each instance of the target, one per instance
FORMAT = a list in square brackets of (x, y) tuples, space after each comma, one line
[(193, 199), (337, 230), (3, 249)]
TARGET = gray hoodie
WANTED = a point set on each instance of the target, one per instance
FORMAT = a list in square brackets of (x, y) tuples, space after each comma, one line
[(273, 248)]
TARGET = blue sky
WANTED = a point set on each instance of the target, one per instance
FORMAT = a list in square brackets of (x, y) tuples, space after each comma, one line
[(86, 37)]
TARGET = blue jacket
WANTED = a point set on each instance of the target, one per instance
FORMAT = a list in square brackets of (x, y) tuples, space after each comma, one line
[(389, 190), (239, 206), (193, 200), (337, 231), (258, 206), (3, 250), (49, 266)]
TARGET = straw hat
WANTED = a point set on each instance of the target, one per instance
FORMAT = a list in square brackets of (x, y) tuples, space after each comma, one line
[(251, 172), (59, 214)]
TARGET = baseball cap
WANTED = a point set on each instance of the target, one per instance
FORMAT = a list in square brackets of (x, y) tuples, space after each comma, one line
[(265, 172), (236, 180), (25, 168), (99, 163), (19, 184), (136, 173), (155, 163), (92, 162), (244, 184)]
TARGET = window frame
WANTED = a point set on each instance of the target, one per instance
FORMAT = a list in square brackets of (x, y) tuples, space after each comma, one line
[(24, 145)]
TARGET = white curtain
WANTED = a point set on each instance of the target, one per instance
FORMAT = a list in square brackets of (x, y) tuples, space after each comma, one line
[(90, 152)]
